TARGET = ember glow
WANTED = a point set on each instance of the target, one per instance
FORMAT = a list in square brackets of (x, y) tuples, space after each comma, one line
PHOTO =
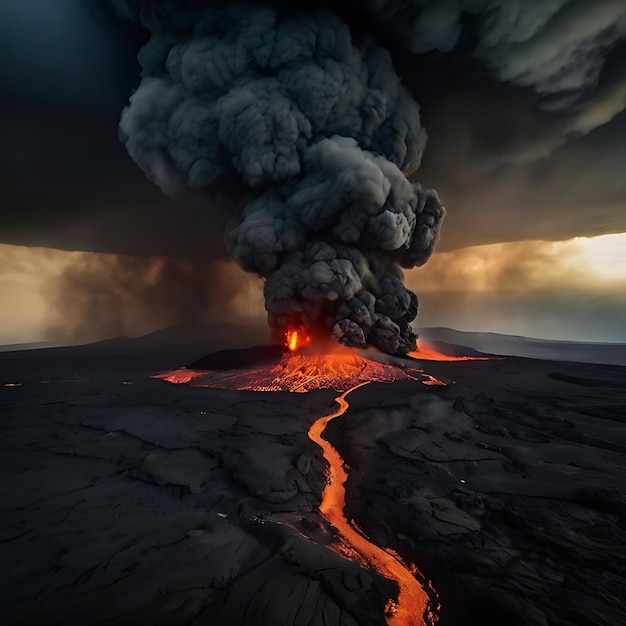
[(412, 604), (424, 353), (297, 338), (302, 371), (179, 377)]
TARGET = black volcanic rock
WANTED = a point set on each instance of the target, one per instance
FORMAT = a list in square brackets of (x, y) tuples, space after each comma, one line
[(124, 500), (508, 488), (236, 359)]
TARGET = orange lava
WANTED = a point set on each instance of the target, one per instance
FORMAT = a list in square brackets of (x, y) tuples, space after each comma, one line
[(180, 377), (300, 372), (12, 384), (412, 603), (430, 354), (297, 338)]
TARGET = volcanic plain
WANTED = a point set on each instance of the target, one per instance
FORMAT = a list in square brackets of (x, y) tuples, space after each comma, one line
[(130, 500)]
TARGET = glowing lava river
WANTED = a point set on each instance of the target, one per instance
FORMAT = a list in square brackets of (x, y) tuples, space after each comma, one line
[(412, 600), (304, 369)]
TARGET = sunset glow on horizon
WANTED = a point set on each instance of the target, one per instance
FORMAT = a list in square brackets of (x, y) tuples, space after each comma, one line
[(584, 264)]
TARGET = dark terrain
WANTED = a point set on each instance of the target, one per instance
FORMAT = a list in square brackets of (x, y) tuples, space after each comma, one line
[(126, 500)]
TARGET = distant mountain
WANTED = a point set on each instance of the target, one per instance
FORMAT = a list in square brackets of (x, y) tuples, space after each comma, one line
[(33, 345), (511, 345), (198, 340), (202, 339)]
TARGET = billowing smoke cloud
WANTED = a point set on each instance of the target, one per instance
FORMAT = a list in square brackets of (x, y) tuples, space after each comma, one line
[(318, 127), (303, 108), (556, 47)]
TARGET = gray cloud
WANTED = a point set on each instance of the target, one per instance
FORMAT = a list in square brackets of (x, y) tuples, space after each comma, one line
[(322, 129), (557, 48)]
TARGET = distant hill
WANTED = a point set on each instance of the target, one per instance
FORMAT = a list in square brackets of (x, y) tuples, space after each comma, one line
[(511, 345), (198, 340), (204, 339), (33, 345)]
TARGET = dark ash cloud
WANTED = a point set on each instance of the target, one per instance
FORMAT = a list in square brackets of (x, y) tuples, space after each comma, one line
[(319, 127), (523, 102)]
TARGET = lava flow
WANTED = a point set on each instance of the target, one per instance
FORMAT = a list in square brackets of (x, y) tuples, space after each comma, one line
[(425, 353), (306, 367), (412, 603), (301, 371)]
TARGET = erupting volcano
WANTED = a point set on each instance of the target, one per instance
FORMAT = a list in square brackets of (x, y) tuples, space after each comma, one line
[(325, 466), (310, 364), (313, 363), (301, 371), (308, 120), (309, 123)]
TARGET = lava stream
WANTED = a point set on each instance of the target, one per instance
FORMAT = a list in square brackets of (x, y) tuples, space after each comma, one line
[(303, 370), (424, 353), (412, 602)]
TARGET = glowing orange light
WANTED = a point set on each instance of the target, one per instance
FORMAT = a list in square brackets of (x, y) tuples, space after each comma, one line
[(179, 377), (296, 339), (412, 604), (12, 384), (302, 371), (429, 354)]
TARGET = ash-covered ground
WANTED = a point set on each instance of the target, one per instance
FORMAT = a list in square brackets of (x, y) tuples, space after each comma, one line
[(128, 500)]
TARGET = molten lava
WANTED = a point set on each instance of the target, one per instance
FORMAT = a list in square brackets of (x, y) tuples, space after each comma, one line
[(343, 369), (302, 371), (297, 338), (425, 353), (412, 605)]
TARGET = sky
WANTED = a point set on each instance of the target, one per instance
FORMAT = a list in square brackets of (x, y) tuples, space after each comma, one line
[(524, 107)]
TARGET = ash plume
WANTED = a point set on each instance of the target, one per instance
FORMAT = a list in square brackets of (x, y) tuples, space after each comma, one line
[(302, 106), (321, 133)]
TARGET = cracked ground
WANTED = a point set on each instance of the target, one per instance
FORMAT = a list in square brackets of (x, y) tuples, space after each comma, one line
[(126, 500)]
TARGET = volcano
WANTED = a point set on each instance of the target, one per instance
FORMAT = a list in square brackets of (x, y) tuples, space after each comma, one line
[(495, 498), (301, 365)]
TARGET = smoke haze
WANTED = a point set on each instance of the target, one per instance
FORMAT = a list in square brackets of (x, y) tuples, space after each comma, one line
[(523, 102), (86, 296)]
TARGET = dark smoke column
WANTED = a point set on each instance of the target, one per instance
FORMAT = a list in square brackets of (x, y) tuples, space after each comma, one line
[(321, 135)]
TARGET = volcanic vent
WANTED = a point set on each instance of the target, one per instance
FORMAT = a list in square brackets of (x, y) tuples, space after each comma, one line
[(305, 363)]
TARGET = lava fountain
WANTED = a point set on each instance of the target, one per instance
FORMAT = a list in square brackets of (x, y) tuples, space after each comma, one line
[(297, 338)]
